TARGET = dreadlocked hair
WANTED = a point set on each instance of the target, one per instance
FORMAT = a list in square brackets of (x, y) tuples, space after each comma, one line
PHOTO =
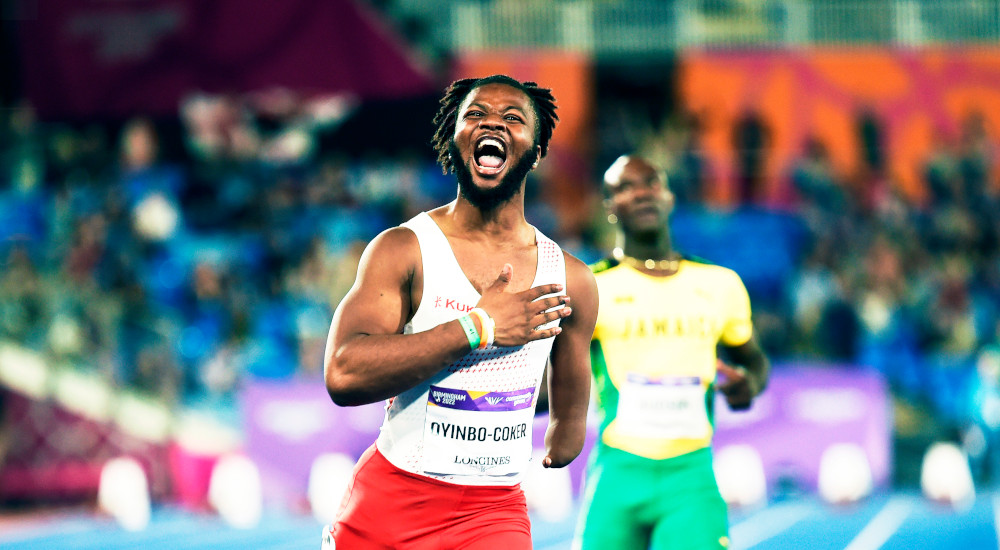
[(542, 102)]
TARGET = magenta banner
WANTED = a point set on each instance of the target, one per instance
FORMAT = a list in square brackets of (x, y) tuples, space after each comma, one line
[(805, 410), (86, 58)]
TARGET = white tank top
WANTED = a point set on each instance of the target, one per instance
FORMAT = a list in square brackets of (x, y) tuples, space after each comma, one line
[(470, 423)]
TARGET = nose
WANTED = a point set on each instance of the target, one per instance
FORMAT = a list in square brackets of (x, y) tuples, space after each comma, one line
[(492, 122), (643, 191)]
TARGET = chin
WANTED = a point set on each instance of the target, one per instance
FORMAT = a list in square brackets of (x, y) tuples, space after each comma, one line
[(645, 229)]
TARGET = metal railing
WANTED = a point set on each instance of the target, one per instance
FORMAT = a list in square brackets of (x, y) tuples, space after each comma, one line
[(608, 28)]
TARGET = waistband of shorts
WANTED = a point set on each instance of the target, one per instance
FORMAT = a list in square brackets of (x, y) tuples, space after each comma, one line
[(607, 453), (383, 463)]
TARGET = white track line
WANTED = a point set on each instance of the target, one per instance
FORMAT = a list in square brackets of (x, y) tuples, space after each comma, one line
[(885, 523), (766, 524), (996, 517)]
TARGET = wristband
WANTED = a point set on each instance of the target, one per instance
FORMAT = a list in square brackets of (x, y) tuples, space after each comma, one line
[(469, 326), (489, 327)]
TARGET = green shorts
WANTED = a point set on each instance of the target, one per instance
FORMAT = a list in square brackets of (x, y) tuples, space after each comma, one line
[(634, 502)]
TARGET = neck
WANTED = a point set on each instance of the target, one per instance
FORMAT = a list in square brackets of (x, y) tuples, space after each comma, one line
[(655, 246), (505, 218), (654, 253)]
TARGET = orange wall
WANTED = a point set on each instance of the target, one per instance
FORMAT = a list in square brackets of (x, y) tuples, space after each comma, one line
[(920, 96)]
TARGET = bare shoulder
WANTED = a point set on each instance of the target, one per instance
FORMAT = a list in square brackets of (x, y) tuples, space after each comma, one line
[(579, 277), (381, 298), (395, 246), (581, 286)]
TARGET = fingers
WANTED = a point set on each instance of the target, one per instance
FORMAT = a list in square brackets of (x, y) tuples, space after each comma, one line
[(541, 334), (549, 303), (547, 316), (730, 372), (523, 317), (541, 290)]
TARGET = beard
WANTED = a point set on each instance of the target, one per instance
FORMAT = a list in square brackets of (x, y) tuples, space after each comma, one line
[(489, 199)]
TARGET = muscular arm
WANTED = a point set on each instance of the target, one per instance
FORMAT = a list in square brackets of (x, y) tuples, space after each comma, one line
[(367, 358), (745, 381), (569, 377)]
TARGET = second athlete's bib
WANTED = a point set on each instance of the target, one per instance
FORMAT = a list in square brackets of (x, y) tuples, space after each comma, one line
[(664, 408)]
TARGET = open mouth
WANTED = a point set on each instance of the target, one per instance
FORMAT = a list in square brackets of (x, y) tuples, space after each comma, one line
[(490, 155)]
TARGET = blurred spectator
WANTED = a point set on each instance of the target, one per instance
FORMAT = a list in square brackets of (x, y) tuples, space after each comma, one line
[(813, 289), (23, 155), (22, 300), (822, 198), (941, 172), (872, 140), (975, 158), (142, 174), (751, 144), (687, 172)]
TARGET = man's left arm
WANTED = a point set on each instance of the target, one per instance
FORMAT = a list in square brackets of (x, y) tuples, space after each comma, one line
[(747, 376), (569, 374)]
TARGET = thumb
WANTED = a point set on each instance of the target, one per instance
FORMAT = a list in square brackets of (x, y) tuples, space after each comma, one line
[(547, 462), (506, 274)]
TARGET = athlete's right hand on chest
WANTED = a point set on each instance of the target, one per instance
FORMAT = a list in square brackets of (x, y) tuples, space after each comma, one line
[(517, 315)]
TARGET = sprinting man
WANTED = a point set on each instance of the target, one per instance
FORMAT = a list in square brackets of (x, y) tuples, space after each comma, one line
[(451, 320), (650, 480)]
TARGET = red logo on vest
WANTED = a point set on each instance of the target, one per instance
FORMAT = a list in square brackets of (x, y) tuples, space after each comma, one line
[(448, 303)]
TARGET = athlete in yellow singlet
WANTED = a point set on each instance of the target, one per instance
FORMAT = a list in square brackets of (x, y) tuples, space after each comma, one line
[(662, 317)]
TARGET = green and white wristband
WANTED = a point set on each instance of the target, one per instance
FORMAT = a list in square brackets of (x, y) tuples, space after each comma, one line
[(469, 326)]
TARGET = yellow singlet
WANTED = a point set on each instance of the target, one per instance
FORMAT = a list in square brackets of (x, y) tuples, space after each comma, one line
[(654, 353)]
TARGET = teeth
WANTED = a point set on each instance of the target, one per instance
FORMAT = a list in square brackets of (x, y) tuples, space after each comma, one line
[(493, 142)]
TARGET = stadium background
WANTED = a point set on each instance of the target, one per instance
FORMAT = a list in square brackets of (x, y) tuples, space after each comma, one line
[(185, 189)]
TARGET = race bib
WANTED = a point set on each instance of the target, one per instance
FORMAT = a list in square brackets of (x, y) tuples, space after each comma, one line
[(477, 433), (663, 408)]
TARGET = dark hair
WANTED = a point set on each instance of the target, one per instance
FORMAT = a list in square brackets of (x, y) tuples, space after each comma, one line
[(542, 101)]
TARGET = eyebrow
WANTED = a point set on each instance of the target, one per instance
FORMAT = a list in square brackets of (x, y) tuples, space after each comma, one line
[(505, 109)]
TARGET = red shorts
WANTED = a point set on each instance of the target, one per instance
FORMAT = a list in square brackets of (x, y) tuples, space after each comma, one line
[(389, 508)]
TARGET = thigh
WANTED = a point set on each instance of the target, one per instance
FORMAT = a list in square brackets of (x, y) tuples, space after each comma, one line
[(611, 514), (489, 519), (385, 507), (359, 510), (698, 522)]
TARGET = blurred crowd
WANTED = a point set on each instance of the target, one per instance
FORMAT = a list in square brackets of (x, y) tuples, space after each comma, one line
[(178, 271), (180, 257)]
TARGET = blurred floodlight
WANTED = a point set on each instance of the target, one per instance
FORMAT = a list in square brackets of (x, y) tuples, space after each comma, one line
[(328, 479), (739, 471), (123, 492), (548, 491), (155, 217), (234, 490), (845, 474), (65, 335), (945, 475)]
